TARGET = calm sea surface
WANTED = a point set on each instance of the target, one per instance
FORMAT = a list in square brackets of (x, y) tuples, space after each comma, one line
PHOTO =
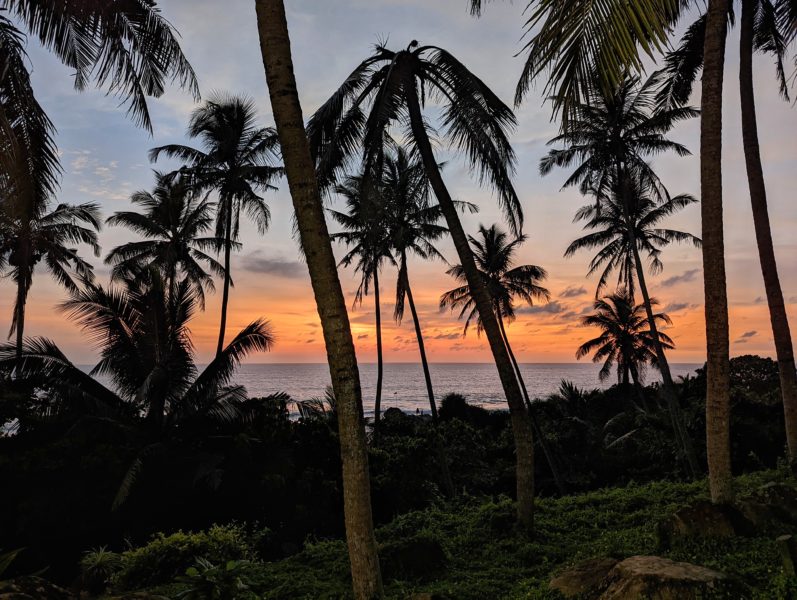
[(403, 383)]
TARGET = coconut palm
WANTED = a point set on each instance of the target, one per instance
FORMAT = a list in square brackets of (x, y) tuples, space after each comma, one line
[(625, 341), (174, 223), (570, 42), (765, 27), (609, 139), (366, 237), (237, 160), (275, 46), (494, 255), (389, 90), (30, 235)]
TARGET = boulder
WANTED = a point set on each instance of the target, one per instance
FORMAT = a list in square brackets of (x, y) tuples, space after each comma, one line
[(33, 588), (657, 578), (781, 500), (584, 578), (704, 519)]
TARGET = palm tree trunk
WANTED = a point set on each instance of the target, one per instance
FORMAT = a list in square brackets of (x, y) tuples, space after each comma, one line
[(549, 458), (668, 387), (23, 286), (276, 52), (419, 336), (640, 392), (379, 359), (766, 251), (521, 423), (714, 282), (225, 296)]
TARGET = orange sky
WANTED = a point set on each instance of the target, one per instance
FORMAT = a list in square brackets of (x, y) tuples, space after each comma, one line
[(104, 159)]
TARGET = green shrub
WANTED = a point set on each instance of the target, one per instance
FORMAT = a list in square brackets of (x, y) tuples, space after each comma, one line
[(227, 581), (166, 557), (97, 567)]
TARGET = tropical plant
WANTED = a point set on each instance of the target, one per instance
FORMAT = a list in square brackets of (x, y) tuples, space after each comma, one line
[(275, 49), (570, 43), (609, 139), (766, 27), (237, 160), (97, 567), (625, 341), (389, 90), (174, 221), (366, 238), (208, 581), (30, 235)]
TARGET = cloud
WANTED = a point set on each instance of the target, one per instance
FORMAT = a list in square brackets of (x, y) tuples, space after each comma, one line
[(676, 306), (573, 291), (758, 300), (255, 263), (552, 308), (362, 336), (446, 336), (682, 278), (746, 336)]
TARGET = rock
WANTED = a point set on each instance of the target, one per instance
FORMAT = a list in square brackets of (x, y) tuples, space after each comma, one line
[(584, 578), (416, 558), (704, 519), (657, 578), (32, 588), (780, 498), (787, 546)]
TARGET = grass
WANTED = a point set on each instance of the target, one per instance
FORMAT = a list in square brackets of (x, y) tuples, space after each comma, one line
[(484, 556)]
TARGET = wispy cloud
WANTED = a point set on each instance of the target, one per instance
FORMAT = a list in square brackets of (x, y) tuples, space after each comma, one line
[(573, 291), (257, 263), (746, 336), (682, 278), (552, 308)]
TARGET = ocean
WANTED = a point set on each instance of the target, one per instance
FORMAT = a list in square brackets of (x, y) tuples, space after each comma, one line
[(403, 383)]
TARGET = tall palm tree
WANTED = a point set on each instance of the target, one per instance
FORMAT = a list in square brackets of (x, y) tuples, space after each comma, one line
[(625, 341), (568, 42), (174, 223), (237, 160), (275, 46), (30, 235), (609, 138), (494, 255), (765, 27), (366, 237), (389, 89)]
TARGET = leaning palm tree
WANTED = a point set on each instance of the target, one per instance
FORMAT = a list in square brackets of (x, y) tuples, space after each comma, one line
[(237, 160), (389, 90), (494, 255), (275, 46), (175, 221), (366, 237), (567, 41), (30, 235), (609, 139), (625, 341), (767, 28)]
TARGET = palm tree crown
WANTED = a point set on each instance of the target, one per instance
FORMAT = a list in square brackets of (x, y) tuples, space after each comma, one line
[(626, 340), (174, 221), (494, 253)]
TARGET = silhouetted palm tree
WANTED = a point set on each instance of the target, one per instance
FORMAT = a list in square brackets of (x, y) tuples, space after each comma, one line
[(609, 139), (494, 255), (567, 42), (768, 28), (174, 222), (30, 235), (366, 235), (625, 341), (238, 158), (275, 47), (389, 89)]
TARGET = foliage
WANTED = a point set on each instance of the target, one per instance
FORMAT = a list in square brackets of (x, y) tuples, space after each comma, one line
[(166, 557), (98, 567), (206, 581)]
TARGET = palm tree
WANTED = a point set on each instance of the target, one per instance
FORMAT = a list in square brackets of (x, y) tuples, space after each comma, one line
[(29, 235), (238, 159), (389, 89), (494, 255), (610, 138), (366, 237), (762, 31), (174, 221), (275, 46), (568, 42), (625, 341)]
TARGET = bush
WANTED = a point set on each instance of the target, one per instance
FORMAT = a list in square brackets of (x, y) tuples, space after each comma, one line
[(206, 581), (166, 557), (97, 567)]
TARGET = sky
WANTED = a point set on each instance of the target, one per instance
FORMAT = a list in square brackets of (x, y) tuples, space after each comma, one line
[(105, 160)]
